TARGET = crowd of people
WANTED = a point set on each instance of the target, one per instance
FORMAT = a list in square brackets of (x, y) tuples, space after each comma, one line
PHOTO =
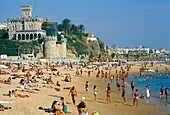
[(111, 74)]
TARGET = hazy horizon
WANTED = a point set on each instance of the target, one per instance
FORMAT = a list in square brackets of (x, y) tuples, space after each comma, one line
[(121, 22)]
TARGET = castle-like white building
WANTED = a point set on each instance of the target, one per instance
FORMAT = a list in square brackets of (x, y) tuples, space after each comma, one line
[(25, 28), (28, 28)]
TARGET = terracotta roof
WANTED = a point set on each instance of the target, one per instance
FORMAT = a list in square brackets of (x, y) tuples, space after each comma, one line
[(161, 48), (48, 22)]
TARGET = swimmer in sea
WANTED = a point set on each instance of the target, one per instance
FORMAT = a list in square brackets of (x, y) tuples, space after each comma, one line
[(167, 75), (73, 94), (136, 98), (147, 77), (150, 76)]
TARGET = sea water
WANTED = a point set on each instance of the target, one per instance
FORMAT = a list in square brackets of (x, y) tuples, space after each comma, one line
[(155, 85)]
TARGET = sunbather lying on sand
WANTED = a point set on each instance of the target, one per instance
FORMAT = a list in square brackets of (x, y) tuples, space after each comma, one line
[(2, 108)]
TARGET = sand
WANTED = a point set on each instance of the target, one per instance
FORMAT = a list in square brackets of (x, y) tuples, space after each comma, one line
[(29, 106)]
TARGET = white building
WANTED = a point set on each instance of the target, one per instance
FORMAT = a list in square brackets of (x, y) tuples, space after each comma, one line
[(3, 26)]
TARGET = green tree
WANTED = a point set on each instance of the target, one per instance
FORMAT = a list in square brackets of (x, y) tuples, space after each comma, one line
[(81, 28), (66, 25), (82, 57), (91, 56), (138, 56), (74, 28), (100, 56), (127, 56), (113, 55)]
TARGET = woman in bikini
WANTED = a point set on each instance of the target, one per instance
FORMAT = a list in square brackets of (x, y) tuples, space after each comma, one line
[(95, 92), (108, 91)]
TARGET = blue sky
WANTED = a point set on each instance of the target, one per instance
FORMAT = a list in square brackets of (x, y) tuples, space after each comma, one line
[(126, 23)]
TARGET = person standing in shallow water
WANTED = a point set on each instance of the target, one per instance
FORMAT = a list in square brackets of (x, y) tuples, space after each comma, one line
[(123, 94), (73, 94), (147, 93), (132, 86), (162, 92), (166, 93), (136, 98)]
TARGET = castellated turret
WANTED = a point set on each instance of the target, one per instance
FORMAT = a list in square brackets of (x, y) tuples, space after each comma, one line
[(51, 50)]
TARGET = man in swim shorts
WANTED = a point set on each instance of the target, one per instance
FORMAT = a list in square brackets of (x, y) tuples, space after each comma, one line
[(136, 98), (73, 94), (123, 94), (162, 92), (132, 86)]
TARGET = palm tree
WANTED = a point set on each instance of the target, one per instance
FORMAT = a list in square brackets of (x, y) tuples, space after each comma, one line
[(66, 25), (74, 28), (81, 28)]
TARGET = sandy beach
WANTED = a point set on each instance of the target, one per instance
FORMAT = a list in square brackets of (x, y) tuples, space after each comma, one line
[(29, 106)]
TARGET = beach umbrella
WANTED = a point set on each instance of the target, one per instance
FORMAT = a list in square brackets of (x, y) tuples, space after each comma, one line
[(3, 66), (82, 62)]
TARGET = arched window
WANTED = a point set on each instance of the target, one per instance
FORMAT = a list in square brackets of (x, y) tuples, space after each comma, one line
[(27, 36), (23, 36), (39, 35), (35, 36), (19, 36), (31, 36)]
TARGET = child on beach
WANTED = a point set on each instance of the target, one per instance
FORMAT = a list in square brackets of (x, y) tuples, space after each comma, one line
[(86, 87), (142, 97)]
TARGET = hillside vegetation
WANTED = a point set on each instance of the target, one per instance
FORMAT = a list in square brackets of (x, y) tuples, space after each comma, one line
[(77, 40)]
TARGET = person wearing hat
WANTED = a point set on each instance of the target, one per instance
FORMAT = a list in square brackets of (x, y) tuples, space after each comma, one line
[(82, 108)]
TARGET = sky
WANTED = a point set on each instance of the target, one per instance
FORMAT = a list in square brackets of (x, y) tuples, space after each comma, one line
[(126, 23)]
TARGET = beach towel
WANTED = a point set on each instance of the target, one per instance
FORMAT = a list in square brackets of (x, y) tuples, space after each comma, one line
[(57, 89), (45, 109), (6, 102), (55, 96)]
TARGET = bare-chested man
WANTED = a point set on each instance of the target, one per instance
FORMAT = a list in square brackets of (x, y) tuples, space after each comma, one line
[(136, 98), (73, 94)]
